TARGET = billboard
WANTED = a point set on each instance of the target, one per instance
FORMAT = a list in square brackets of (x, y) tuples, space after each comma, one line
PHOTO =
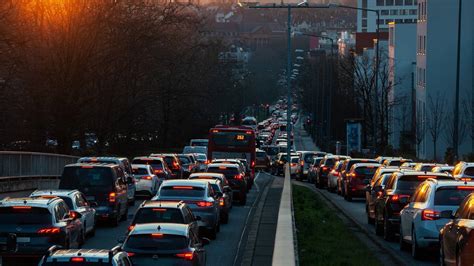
[(353, 136)]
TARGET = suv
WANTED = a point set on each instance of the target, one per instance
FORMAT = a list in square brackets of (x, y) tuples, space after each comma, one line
[(426, 167), (165, 244), (104, 184), (324, 167), (147, 182), (76, 201), (262, 160), (199, 196), (62, 257), (358, 178), (464, 170), (307, 159), (39, 223), (124, 163), (235, 176), (377, 183), (395, 196), (160, 168), (420, 220), (279, 166), (176, 212), (313, 169), (172, 161), (348, 163)]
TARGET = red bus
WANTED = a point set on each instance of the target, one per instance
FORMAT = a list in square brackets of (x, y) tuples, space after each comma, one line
[(226, 142)]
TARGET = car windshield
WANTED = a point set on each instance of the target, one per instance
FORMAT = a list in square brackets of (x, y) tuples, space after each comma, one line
[(25, 215), (426, 168), (182, 191), (395, 163), (86, 177), (451, 196), (155, 242), (139, 171), (158, 215)]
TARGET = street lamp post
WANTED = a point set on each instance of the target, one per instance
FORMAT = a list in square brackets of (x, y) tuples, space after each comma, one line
[(377, 59)]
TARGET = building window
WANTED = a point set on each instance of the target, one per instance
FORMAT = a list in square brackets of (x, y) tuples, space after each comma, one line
[(413, 12), (408, 2), (419, 8), (394, 12), (384, 12), (387, 21), (364, 13), (364, 3), (380, 21), (397, 21), (380, 2), (408, 21), (389, 2), (364, 23), (399, 2)]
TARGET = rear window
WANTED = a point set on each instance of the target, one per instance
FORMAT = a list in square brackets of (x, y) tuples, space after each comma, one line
[(230, 138), (272, 150), (366, 171), (158, 215), (409, 183), (317, 161), (427, 168), (395, 163), (155, 164), (182, 191), (86, 177), (260, 154), (352, 162), (25, 215), (469, 171), (452, 196), (295, 160), (184, 160), (308, 158), (228, 172), (139, 171), (169, 160), (155, 242), (329, 162)]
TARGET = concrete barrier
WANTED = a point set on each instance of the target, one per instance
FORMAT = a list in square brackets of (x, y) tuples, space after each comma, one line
[(284, 249), (22, 183), (17, 163)]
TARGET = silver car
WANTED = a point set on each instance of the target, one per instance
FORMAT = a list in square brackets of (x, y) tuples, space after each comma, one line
[(199, 196)]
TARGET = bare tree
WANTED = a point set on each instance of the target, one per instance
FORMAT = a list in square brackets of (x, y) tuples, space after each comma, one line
[(436, 119)]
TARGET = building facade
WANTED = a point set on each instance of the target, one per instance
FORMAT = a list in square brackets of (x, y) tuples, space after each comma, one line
[(398, 11)]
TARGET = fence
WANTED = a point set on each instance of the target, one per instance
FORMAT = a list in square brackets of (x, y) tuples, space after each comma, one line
[(19, 164)]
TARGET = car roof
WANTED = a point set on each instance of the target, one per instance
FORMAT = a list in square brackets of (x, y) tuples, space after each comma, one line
[(54, 192), (450, 183), (162, 204), (207, 174), (38, 202), (366, 165), (140, 165), (186, 182), (110, 158), (163, 228), (230, 165), (86, 165), (411, 172)]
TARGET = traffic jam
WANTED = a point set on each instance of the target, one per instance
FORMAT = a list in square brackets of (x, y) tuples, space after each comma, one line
[(427, 207)]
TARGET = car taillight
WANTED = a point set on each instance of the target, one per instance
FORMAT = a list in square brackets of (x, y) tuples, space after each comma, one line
[(253, 163), (325, 168), (112, 197), (221, 202), (294, 164), (175, 165), (399, 198), (158, 171), (190, 167), (77, 259), (430, 215), (186, 256), (51, 230), (130, 228), (239, 176), (147, 177), (335, 173), (302, 163), (206, 162), (130, 254), (204, 203)]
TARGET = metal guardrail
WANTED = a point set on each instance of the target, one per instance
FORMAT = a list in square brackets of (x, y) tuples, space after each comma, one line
[(23, 183), (284, 253), (20, 164)]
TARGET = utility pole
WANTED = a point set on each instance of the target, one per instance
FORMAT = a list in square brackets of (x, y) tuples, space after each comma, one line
[(456, 99)]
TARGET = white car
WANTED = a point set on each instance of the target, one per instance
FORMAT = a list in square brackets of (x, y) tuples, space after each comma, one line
[(421, 219), (147, 182), (76, 201), (333, 175), (295, 166)]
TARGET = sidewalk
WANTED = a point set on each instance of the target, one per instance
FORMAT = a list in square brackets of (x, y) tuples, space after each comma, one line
[(262, 229)]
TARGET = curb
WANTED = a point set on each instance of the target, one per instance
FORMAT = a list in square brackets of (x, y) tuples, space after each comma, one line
[(376, 240)]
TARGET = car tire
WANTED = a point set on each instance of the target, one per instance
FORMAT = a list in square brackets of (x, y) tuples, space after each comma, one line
[(387, 229), (403, 245), (415, 250), (378, 227)]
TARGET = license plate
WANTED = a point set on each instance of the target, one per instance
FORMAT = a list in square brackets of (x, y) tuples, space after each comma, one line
[(23, 240)]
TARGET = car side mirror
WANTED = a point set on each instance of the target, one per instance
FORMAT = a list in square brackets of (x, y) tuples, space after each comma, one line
[(197, 218), (205, 241), (121, 239), (448, 214)]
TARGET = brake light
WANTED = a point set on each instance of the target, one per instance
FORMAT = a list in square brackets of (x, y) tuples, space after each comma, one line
[(253, 163), (77, 259), (87, 166), (222, 167), (159, 210), (302, 163), (158, 171), (335, 173), (465, 179), (248, 132), (182, 187), (157, 235), (186, 256), (239, 176), (190, 167), (430, 215), (112, 197), (21, 207), (294, 164), (147, 177), (215, 131), (397, 198), (130, 254), (175, 165), (204, 203), (465, 188), (130, 228), (221, 202), (206, 162), (325, 168), (51, 230)]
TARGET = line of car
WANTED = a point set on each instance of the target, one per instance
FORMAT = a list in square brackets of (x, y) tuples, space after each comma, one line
[(427, 205), (190, 199)]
